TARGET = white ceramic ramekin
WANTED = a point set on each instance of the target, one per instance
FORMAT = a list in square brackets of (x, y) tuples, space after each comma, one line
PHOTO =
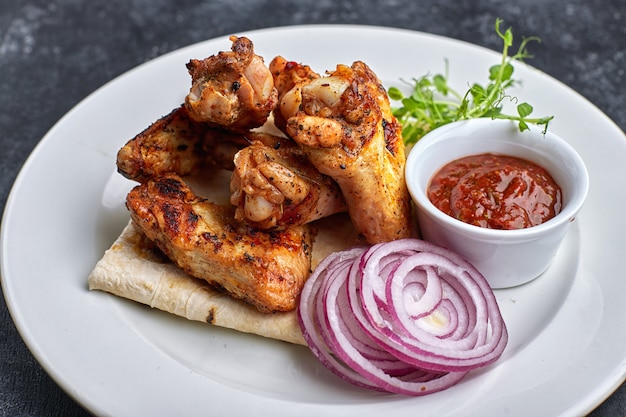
[(506, 258)]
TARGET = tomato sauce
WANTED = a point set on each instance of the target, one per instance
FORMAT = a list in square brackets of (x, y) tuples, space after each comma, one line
[(495, 191)]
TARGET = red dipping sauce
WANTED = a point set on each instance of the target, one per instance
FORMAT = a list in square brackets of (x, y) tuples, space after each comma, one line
[(495, 191)]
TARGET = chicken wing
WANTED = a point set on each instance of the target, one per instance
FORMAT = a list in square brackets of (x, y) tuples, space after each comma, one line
[(175, 143), (344, 124), (265, 269), (289, 76), (275, 186), (233, 89)]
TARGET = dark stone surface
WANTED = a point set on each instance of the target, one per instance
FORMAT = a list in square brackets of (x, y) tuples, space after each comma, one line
[(54, 53)]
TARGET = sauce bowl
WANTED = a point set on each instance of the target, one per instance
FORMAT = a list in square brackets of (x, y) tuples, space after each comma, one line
[(506, 258)]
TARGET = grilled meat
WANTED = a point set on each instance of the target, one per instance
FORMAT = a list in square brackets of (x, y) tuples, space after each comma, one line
[(289, 76), (275, 186), (344, 124), (233, 89), (265, 269), (177, 144)]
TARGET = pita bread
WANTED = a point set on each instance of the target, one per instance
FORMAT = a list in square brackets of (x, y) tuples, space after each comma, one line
[(134, 269)]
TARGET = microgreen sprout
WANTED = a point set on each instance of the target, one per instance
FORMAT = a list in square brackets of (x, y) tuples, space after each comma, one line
[(433, 102)]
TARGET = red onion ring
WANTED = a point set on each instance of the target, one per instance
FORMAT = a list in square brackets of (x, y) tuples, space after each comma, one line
[(406, 317)]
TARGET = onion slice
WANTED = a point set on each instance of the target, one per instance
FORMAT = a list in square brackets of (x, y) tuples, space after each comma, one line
[(407, 317)]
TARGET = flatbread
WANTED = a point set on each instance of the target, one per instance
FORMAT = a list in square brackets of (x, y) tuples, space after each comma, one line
[(134, 269)]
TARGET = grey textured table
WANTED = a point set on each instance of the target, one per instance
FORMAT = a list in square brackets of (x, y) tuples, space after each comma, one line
[(54, 53)]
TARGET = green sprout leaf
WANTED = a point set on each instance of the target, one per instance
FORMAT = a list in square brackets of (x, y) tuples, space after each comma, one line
[(433, 103), (524, 110)]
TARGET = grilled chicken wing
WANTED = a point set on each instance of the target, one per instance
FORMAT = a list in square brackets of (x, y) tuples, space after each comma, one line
[(233, 89), (265, 269), (275, 186), (289, 76), (177, 144), (344, 124)]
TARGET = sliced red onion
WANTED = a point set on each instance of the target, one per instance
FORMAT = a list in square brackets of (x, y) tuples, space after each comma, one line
[(308, 309), (406, 317), (474, 305)]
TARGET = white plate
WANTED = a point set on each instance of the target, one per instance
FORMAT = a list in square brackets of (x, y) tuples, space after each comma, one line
[(568, 341)]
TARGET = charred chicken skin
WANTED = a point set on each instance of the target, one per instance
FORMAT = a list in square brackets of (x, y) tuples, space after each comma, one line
[(344, 123), (275, 186), (175, 143), (265, 269), (233, 89)]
